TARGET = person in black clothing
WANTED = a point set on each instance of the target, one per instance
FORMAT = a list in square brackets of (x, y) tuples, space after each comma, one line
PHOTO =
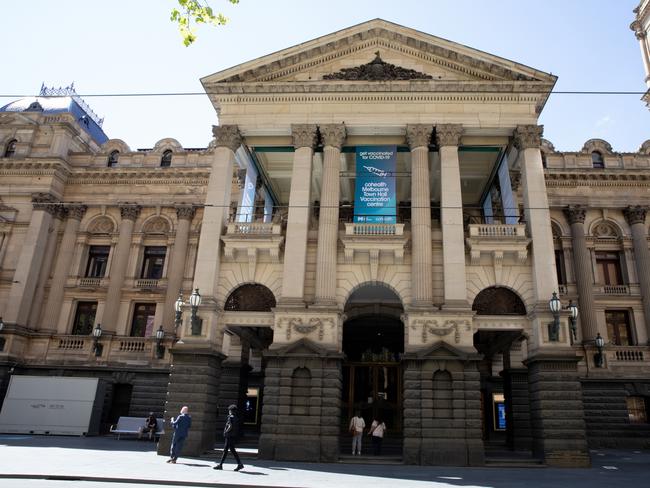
[(230, 435), (150, 426)]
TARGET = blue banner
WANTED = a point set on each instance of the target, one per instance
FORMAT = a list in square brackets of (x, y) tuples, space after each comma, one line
[(375, 200)]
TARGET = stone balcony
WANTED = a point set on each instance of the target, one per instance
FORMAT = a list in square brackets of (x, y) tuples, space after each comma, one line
[(627, 360), (91, 283), (497, 241), (79, 349), (374, 240), (251, 239)]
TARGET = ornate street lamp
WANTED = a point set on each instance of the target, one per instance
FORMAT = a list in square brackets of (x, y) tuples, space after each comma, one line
[(98, 347), (573, 317), (160, 349), (600, 343), (554, 327), (195, 302), (178, 307)]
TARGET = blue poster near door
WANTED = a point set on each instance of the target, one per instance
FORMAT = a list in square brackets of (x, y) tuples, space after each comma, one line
[(374, 195)]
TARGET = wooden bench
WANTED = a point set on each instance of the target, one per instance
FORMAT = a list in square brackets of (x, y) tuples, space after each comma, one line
[(132, 425)]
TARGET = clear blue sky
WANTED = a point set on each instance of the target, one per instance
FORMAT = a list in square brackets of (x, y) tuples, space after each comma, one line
[(130, 46)]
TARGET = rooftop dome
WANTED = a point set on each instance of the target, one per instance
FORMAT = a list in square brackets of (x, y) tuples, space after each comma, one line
[(62, 100)]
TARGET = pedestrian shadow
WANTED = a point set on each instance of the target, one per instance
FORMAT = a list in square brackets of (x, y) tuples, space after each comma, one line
[(253, 473), (195, 465)]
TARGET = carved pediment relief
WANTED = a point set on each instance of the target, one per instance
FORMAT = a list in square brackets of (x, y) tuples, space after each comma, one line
[(406, 54)]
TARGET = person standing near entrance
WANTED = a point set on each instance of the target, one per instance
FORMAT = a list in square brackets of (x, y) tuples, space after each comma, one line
[(230, 435), (377, 430), (357, 424), (181, 426)]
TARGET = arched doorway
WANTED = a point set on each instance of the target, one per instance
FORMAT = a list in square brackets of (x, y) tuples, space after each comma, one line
[(504, 383), (373, 344)]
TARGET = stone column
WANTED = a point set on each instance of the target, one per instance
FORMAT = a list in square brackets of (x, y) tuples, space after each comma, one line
[(642, 36), (46, 268), (419, 137), (451, 216), (30, 260), (636, 219), (538, 217), (176, 269), (295, 250), (117, 272), (583, 272), (62, 268), (328, 221), (227, 140)]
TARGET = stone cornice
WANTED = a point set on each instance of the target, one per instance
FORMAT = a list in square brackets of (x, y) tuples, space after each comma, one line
[(587, 178), (33, 167), (141, 176)]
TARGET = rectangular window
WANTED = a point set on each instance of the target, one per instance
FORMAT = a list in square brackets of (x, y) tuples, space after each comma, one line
[(97, 261), (154, 262), (559, 266), (143, 318), (637, 409), (618, 327), (84, 319), (609, 268)]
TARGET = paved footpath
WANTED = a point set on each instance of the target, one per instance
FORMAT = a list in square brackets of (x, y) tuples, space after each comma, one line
[(101, 462)]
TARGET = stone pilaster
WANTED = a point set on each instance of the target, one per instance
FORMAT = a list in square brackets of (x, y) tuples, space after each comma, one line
[(419, 137), (538, 217), (295, 251), (176, 268), (46, 267), (451, 217), (61, 269), (302, 405), (30, 260), (333, 136), (194, 380), (636, 219), (583, 271), (557, 412), (117, 272)]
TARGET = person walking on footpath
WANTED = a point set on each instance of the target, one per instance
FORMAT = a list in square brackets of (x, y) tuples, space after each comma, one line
[(377, 430), (181, 426), (230, 435), (357, 424)]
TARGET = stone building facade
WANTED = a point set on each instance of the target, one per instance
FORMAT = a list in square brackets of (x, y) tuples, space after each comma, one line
[(436, 319)]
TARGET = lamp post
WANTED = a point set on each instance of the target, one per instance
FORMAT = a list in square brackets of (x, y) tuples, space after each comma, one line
[(98, 347), (2, 340), (195, 302), (2, 324), (600, 343), (160, 349), (554, 327), (178, 307), (573, 317)]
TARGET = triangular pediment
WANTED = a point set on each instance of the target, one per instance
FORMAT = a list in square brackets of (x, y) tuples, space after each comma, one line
[(442, 350), (353, 51), (303, 347)]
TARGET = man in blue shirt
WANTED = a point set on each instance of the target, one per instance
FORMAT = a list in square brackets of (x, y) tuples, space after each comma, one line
[(181, 427)]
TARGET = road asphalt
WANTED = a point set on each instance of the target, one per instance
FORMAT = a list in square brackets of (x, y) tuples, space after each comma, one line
[(89, 462)]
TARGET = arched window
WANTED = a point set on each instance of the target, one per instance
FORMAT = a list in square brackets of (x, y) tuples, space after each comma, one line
[(250, 298), (113, 157), (597, 160), (300, 391), (166, 159), (498, 301), (11, 148)]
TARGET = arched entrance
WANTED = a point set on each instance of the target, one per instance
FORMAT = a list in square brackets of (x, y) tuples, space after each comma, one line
[(373, 344)]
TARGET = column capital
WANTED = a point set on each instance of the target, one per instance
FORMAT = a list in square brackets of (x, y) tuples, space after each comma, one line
[(130, 212), (185, 212), (528, 136), (575, 214), (76, 211), (304, 135), (635, 214), (227, 136), (418, 135), (333, 134), (46, 202), (448, 134)]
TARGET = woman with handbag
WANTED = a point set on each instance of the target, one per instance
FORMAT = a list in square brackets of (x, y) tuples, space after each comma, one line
[(357, 424)]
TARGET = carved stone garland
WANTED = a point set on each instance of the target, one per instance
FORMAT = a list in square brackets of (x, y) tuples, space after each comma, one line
[(377, 70)]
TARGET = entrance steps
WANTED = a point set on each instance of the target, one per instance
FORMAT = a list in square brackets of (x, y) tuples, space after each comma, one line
[(501, 457), (370, 459)]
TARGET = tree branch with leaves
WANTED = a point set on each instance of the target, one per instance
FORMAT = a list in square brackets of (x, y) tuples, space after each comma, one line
[(191, 13)]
